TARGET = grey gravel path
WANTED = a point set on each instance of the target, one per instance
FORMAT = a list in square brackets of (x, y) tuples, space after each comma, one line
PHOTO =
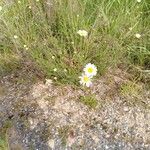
[(45, 116)]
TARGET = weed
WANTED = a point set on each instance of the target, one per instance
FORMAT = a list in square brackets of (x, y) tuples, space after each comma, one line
[(130, 89), (3, 136), (63, 133), (3, 144), (89, 100)]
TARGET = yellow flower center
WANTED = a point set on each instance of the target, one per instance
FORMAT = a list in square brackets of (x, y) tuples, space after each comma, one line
[(90, 70), (86, 79)]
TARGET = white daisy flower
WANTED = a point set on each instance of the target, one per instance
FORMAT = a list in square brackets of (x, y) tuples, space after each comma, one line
[(37, 0), (19, 2), (82, 33), (1, 8), (24, 46), (85, 80), (30, 7), (55, 69), (139, 1), (53, 57), (15, 37), (137, 35), (90, 70)]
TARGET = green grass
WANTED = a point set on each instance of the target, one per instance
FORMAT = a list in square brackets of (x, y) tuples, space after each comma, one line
[(3, 136), (63, 133), (51, 30), (130, 89), (3, 144), (89, 100)]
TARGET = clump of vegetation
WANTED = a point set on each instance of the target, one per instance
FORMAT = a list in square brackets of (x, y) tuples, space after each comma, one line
[(61, 36), (63, 133), (3, 144), (130, 89), (89, 100), (8, 61), (3, 136)]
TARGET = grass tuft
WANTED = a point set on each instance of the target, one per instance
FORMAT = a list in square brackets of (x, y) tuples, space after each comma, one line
[(130, 89), (3, 136), (89, 100)]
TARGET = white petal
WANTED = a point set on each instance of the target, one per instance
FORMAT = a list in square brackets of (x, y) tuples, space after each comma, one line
[(88, 84)]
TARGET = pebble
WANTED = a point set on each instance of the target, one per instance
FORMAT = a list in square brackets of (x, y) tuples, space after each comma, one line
[(95, 138), (106, 147), (126, 109), (51, 143)]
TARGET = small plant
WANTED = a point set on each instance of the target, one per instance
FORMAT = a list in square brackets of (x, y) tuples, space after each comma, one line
[(9, 61), (63, 133), (130, 89), (3, 136), (89, 100), (3, 144)]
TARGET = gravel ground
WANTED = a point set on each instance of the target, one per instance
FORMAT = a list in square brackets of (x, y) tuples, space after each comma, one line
[(45, 116)]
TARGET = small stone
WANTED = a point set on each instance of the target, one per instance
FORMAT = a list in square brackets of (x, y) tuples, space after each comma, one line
[(107, 147), (81, 142), (95, 138), (126, 109), (70, 140), (33, 123), (107, 136), (51, 143)]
